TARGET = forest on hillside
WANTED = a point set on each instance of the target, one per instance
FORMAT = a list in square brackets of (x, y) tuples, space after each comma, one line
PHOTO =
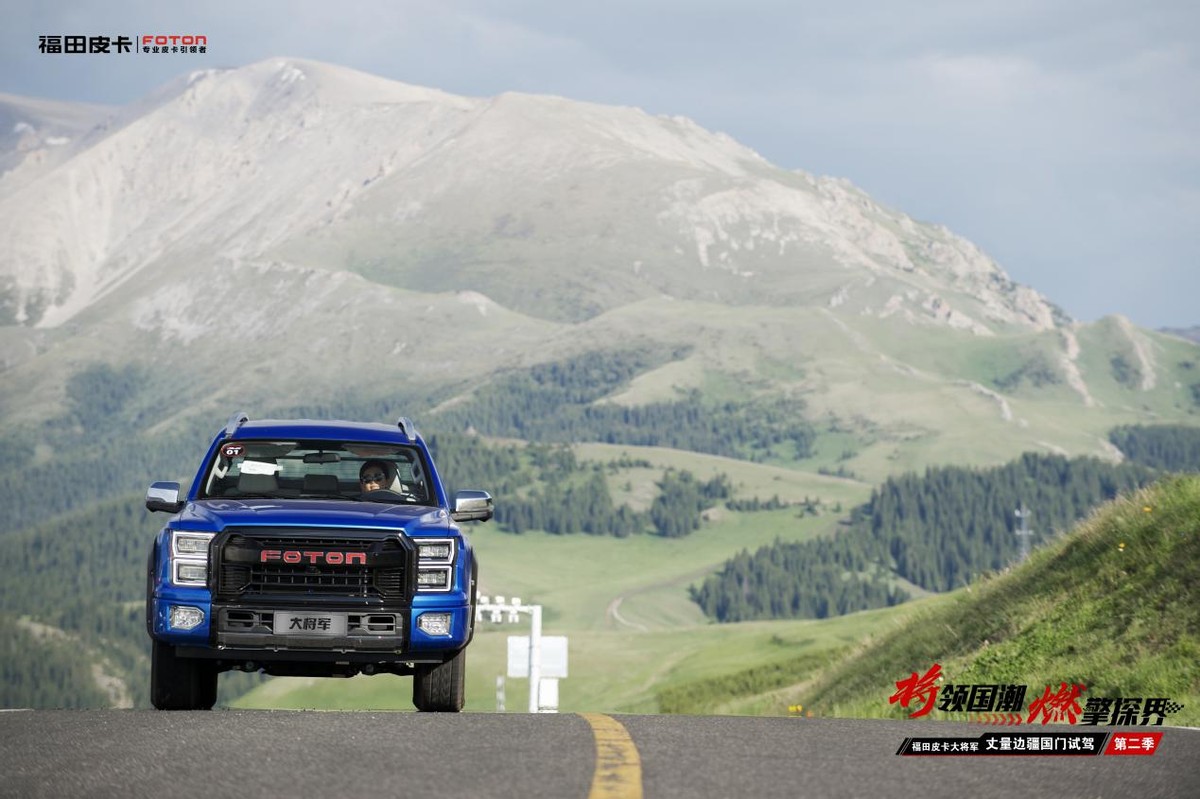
[(938, 530), (545, 487), (561, 402), (1170, 447)]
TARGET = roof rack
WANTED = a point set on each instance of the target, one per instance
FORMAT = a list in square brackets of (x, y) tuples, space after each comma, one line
[(235, 421), (407, 427)]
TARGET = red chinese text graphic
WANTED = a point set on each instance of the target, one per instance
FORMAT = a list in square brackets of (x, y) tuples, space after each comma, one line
[(1003, 703), (923, 689), (1053, 708)]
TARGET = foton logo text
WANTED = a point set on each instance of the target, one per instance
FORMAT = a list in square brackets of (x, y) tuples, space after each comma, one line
[(314, 556), (174, 40)]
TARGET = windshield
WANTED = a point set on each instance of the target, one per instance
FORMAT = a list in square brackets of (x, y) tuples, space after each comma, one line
[(317, 470)]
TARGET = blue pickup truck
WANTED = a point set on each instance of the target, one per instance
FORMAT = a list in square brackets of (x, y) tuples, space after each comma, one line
[(283, 558)]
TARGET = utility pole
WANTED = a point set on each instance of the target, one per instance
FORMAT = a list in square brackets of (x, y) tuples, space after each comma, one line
[(499, 610), (535, 657), (1024, 532)]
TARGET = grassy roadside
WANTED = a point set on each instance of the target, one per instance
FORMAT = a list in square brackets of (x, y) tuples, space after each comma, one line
[(1114, 605)]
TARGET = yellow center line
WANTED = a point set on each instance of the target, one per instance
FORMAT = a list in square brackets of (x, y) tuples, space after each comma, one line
[(618, 765)]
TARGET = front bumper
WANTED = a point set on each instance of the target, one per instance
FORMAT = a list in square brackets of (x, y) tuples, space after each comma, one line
[(251, 627)]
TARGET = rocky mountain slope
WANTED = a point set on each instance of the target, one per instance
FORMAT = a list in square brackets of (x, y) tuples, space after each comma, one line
[(37, 135), (597, 206)]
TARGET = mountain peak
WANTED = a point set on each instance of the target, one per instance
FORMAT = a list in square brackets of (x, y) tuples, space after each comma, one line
[(552, 207)]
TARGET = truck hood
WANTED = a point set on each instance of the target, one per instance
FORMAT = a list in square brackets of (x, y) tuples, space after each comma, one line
[(214, 515)]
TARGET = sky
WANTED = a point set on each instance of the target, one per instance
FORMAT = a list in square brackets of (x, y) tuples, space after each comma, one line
[(1061, 136)]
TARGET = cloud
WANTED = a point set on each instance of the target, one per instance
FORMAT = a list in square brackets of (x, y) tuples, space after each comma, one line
[(987, 81)]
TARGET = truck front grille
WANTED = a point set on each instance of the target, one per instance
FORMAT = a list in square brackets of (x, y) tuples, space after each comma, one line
[(312, 565)]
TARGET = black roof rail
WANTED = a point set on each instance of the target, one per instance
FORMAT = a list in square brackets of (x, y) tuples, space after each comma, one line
[(235, 421), (407, 427)]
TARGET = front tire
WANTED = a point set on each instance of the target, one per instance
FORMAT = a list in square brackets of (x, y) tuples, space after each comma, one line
[(180, 683), (441, 688)]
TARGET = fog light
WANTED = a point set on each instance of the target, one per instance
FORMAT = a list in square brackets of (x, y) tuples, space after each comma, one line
[(434, 623), (186, 618)]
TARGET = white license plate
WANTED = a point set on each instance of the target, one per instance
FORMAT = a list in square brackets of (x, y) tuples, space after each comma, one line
[(310, 623)]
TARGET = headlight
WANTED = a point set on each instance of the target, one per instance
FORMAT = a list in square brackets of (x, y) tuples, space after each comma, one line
[(190, 573), (435, 563), (434, 579), (190, 545), (189, 557), (435, 550)]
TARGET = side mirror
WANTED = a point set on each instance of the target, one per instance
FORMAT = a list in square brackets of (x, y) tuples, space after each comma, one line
[(472, 506), (164, 497)]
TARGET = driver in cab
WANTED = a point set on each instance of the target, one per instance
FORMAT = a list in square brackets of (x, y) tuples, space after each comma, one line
[(375, 475)]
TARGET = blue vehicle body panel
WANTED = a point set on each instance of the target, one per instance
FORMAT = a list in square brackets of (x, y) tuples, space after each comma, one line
[(213, 515)]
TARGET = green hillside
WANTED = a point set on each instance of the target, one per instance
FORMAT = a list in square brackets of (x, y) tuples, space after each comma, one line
[(1114, 606), (937, 530)]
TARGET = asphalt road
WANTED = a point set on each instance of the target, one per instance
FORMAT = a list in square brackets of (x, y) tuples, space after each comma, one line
[(300, 754)]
